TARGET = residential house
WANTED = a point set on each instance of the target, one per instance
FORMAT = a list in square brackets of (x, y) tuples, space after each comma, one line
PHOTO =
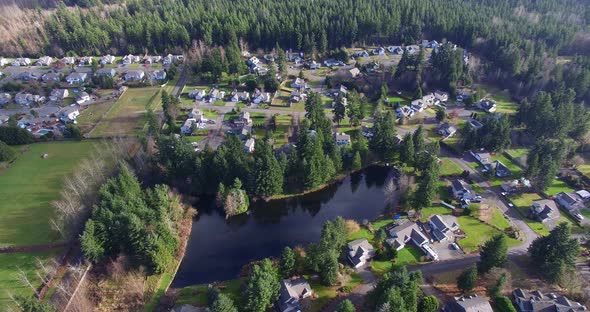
[(197, 94), (269, 57), (75, 78), (299, 83), (4, 119), (240, 96), (22, 98), (51, 77), (106, 72), (461, 190), (475, 124), (151, 59), (134, 75), (440, 96), (130, 59), (168, 59), (584, 195), (187, 127), (313, 65), (249, 145), (253, 61), (429, 99), (107, 59), (372, 67), (484, 159), (197, 115), (362, 53), (260, 97), (69, 113), (21, 61), (82, 98), (297, 96), (468, 304), (291, 293), (359, 252), (379, 51), (58, 95), (395, 50), (3, 62), (69, 60), (501, 170), (413, 49), (405, 232), (159, 75), (536, 301), (342, 139), (85, 61), (404, 111), (333, 62), (544, 210), (570, 201), (418, 105), (430, 44), (342, 90), (439, 229), (354, 72), (245, 132), (28, 76), (511, 186), (215, 95), (243, 119), (447, 130), (44, 61), (5, 98), (487, 105)]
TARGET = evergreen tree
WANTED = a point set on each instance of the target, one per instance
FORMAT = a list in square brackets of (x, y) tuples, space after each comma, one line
[(467, 280), (287, 263), (262, 287), (31, 304), (494, 253), (6, 153), (428, 304), (356, 161), (339, 110), (552, 255), (406, 153), (223, 304), (345, 306), (267, 173)]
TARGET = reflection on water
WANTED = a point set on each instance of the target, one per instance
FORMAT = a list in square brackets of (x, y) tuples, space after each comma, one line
[(218, 248)]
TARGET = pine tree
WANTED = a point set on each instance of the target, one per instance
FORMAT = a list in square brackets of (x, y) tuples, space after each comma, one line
[(346, 306), (428, 304), (494, 253), (356, 161), (466, 281), (262, 287), (553, 254), (223, 304), (407, 149), (287, 263)]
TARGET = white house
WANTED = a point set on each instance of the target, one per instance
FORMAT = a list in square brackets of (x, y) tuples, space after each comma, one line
[(130, 59), (299, 83), (158, 75), (21, 61), (75, 78), (107, 59), (197, 115), (82, 98), (85, 61), (58, 94), (447, 130), (197, 94), (45, 61), (570, 201), (5, 98), (359, 252), (404, 232), (23, 98), (69, 60), (69, 113), (249, 145), (342, 138), (187, 127), (3, 62), (292, 291), (134, 75), (487, 105), (439, 229)]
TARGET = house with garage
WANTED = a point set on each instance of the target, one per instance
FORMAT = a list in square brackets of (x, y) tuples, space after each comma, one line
[(82, 98), (406, 231), (21, 61), (291, 293), (197, 94), (159, 75), (260, 97), (473, 303), (134, 75), (440, 229), (461, 190), (215, 94), (342, 139), (51, 77), (44, 61), (404, 111), (536, 301), (441, 97), (359, 252), (197, 115), (5, 98), (544, 210), (484, 159), (362, 53), (570, 201), (249, 145), (239, 96), (57, 95), (22, 98), (243, 119), (487, 105), (3, 62), (395, 50), (354, 72), (106, 72), (107, 59), (187, 127), (379, 51), (501, 170), (413, 49), (69, 60), (299, 83), (446, 130), (76, 78), (584, 195), (130, 59), (85, 61), (69, 113)]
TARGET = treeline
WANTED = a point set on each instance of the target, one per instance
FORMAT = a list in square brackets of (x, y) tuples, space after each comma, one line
[(132, 221)]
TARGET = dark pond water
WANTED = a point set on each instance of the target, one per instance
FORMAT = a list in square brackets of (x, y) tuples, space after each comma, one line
[(218, 248)]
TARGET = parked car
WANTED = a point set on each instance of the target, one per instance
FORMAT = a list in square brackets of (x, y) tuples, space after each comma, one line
[(578, 216)]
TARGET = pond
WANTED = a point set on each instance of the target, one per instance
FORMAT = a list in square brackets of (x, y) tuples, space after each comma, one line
[(219, 248)]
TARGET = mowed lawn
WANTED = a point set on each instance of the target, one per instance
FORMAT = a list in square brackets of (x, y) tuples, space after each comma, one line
[(127, 116), (28, 187)]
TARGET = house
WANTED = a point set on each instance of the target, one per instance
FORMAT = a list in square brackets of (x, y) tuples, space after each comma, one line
[(362, 53), (260, 97), (245, 132), (430, 44), (269, 57), (21, 61), (359, 252), (484, 159), (536, 301), (51, 77), (3, 62), (468, 304), (475, 124), (461, 190), (313, 65), (134, 75), (69, 60), (243, 119), (510, 187), (441, 96), (240, 96), (379, 51), (107, 59), (429, 99), (197, 115), (197, 94), (130, 59), (28, 76), (404, 111), (44, 61), (501, 170), (584, 195), (4, 119), (23, 98), (187, 127), (413, 49), (404, 232), (570, 201), (168, 59), (85, 61), (395, 50), (487, 105), (439, 229), (447, 130), (418, 105), (299, 83), (58, 94), (69, 113), (292, 291), (151, 59), (297, 96), (215, 95), (544, 210), (372, 67), (354, 72), (249, 145), (106, 72), (332, 62), (253, 61), (159, 75), (342, 138), (82, 98), (5, 98), (75, 78)]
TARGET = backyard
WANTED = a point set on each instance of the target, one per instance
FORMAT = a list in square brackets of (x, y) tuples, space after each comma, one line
[(92, 115), (127, 115)]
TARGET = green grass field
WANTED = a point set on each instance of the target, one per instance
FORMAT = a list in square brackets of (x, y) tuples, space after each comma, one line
[(92, 115), (505, 105), (558, 186), (127, 116), (449, 168), (410, 255), (197, 295), (477, 234), (585, 169), (523, 202)]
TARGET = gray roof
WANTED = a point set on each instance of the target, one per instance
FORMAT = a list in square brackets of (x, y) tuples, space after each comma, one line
[(357, 249), (544, 209), (293, 290), (536, 301), (407, 230), (468, 304)]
